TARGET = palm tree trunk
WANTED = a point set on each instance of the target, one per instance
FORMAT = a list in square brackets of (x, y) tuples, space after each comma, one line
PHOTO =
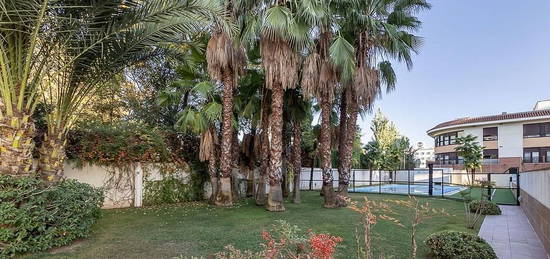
[(224, 195), (351, 127), (286, 163), (342, 140), (275, 195), (324, 152), (296, 159), (52, 157), (264, 156), (213, 168), (16, 143)]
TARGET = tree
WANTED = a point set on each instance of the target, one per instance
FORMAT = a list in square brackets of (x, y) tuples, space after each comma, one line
[(471, 152), (380, 31), (282, 34), (74, 48)]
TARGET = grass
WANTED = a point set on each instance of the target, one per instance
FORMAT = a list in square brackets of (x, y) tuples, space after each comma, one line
[(197, 229), (500, 196)]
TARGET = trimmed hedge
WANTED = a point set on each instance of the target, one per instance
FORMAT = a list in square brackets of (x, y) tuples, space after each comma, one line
[(35, 216), (485, 207), (459, 245)]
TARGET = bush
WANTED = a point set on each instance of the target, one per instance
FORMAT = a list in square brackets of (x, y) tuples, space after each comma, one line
[(117, 143), (485, 207), (36, 217), (454, 244)]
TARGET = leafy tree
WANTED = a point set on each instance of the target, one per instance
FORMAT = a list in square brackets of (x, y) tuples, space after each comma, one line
[(471, 152)]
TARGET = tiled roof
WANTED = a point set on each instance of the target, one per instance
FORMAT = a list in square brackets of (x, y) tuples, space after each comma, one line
[(504, 116)]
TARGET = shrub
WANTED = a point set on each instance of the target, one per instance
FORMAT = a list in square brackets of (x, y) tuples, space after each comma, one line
[(35, 216), (454, 244), (485, 207), (287, 241), (117, 143)]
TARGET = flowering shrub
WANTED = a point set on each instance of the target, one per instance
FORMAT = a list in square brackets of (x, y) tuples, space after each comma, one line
[(287, 241), (323, 245)]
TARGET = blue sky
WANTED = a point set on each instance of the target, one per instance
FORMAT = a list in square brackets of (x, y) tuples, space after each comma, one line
[(479, 58)]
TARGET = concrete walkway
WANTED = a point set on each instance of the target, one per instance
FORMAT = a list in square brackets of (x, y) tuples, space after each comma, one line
[(512, 236)]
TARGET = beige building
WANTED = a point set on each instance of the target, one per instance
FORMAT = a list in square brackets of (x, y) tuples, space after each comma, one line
[(519, 139)]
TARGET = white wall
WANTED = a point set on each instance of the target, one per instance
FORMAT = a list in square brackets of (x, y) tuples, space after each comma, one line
[(537, 185), (121, 188), (475, 131), (510, 140)]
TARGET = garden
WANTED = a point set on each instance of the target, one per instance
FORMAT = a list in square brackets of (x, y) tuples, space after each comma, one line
[(199, 229), (228, 100)]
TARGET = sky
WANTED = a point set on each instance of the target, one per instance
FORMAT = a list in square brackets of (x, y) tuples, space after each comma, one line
[(480, 57)]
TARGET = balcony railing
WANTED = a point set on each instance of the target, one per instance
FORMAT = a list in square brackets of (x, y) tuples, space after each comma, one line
[(485, 161)]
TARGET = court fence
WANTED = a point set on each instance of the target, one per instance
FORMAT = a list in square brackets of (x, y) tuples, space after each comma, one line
[(437, 182)]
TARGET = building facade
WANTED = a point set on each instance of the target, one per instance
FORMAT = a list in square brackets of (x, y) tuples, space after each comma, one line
[(519, 139), (423, 154)]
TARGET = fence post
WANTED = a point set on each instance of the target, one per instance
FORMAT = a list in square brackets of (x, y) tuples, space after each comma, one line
[(138, 186), (409, 181), (353, 181), (311, 178), (430, 179), (489, 186)]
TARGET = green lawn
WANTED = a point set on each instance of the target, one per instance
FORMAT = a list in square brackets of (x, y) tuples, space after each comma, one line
[(500, 196), (197, 229)]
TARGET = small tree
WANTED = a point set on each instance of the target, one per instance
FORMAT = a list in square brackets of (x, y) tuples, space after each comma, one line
[(471, 152)]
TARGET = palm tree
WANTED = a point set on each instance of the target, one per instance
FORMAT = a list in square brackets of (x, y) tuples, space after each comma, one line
[(226, 61), (120, 34), (380, 30), (298, 110), (25, 50), (202, 118), (326, 67), (282, 34)]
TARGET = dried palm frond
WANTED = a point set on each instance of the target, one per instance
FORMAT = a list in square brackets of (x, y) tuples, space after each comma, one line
[(280, 62), (223, 54)]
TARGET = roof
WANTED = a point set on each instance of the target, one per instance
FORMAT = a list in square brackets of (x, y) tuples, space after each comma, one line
[(504, 116)]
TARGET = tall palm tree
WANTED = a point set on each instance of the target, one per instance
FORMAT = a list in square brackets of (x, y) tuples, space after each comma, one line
[(120, 34), (381, 31), (283, 32), (323, 72), (226, 61)]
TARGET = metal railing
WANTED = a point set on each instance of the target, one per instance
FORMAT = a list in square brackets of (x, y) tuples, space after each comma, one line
[(436, 182)]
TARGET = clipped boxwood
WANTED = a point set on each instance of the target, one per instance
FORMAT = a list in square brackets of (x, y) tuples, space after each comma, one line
[(35, 216), (454, 244), (485, 207)]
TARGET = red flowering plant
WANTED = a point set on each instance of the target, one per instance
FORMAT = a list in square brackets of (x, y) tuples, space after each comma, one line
[(288, 241)]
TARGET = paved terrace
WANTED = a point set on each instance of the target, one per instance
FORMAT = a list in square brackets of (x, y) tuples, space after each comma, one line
[(512, 236)]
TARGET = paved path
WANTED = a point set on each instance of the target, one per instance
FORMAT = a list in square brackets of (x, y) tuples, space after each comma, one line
[(512, 236)]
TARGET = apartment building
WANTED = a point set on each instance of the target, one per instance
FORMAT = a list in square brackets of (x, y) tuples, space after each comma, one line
[(423, 154), (520, 139)]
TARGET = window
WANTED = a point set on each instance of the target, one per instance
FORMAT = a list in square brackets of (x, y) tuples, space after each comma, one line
[(490, 134), (447, 158), (536, 155), (536, 130), (490, 154), (446, 139)]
